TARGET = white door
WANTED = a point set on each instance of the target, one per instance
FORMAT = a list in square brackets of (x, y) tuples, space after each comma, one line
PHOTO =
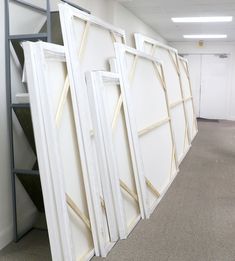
[(214, 87), (209, 77)]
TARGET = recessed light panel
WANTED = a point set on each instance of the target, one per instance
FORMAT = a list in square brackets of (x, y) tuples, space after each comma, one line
[(205, 36), (212, 19)]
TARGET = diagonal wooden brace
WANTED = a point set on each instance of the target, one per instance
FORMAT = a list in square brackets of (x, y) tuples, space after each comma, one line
[(128, 190), (77, 211), (152, 188)]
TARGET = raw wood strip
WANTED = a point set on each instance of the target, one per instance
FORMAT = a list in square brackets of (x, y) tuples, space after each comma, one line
[(113, 36), (65, 90), (153, 126), (172, 156), (83, 41), (184, 66), (159, 76), (132, 70), (84, 256), (132, 223), (102, 202), (174, 62), (174, 104), (169, 115), (77, 211), (117, 112), (185, 136), (62, 100), (152, 188), (191, 94), (120, 99), (128, 190), (182, 97), (188, 98)]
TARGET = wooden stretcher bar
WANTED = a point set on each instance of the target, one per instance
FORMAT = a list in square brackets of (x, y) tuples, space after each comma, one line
[(77, 211), (153, 126), (159, 77)]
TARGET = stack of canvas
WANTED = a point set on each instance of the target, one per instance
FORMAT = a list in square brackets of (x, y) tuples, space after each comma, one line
[(109, 144)]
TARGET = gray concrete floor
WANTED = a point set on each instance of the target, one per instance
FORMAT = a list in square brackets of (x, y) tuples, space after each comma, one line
[(194, 221)]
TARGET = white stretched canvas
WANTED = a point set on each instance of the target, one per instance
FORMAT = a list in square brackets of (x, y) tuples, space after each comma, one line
[(144, 90), (75, 205), (188, 97), (104, 96), (89, 44), (169, 57)]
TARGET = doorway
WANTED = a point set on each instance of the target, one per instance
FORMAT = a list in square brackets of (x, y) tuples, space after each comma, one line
[(210, 77)]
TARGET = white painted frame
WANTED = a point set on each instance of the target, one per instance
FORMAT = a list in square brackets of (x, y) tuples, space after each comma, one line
[(184, 69), (55, 230), (140, 41), (121, 50), (97, 82), (50, 157), (77, 79)]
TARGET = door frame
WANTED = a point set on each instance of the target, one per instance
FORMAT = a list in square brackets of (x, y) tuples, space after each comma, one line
[(229, 93)]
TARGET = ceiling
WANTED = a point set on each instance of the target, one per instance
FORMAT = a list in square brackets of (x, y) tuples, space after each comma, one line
[(158, 13)]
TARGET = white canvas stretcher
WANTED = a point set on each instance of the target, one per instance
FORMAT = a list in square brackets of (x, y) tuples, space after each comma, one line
[(104, 93), (74, 199), (188, 97), (89, 44), (144, 90), (169, 58)]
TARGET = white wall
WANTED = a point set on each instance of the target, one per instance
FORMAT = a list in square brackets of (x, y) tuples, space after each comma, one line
[(5, 188), (213, 48), (28, 22), (116, 14), (125, 19), (26, 209)]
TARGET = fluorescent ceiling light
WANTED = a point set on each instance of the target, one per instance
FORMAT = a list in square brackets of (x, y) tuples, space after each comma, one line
[(205, 36), (202, 19)]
